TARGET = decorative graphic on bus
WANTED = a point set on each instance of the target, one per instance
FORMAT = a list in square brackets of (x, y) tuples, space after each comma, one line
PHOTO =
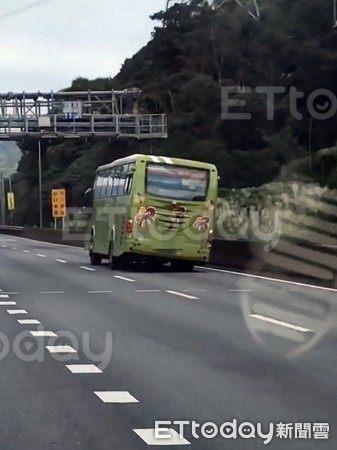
[(178, 212), (201, 223), (145, 216)]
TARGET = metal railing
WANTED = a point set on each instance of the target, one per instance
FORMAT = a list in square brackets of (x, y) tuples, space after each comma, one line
[(141, 126)]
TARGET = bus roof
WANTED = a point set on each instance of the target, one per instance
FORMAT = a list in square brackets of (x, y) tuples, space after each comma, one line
[(157, 159)]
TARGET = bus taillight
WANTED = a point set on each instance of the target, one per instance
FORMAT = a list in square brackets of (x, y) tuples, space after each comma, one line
[(129, 226), (210, 236)]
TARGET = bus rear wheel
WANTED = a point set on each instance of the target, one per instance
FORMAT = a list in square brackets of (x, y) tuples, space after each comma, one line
[(95, 258), (112, 260), (182, 266)]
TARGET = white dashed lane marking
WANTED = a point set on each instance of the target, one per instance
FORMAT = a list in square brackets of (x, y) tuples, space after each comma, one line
[(180, 294), (148, 290), (88, 268), (280, 323), (61, 261), (43, 333), (28, 321), (116, 397), (60, 349), (17, 311), (26, 251), (41, 256), (83, 368), (124, 278), (194, 290), (149, 437)]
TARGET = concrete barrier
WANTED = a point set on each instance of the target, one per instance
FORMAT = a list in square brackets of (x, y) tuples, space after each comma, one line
[(11, 230), (294, 261), (54, 236)]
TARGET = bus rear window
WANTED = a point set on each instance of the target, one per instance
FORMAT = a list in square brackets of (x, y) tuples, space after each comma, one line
[(178, 182)]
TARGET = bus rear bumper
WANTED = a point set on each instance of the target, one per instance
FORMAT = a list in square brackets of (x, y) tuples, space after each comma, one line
[(199, 256)]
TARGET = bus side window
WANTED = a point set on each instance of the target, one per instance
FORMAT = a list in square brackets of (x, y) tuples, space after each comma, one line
[(122, 179), (116, 181), (104, 184), (110, 183), (129, 179), (98, 185)]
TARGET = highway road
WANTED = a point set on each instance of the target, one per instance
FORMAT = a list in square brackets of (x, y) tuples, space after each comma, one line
[(91, 359)]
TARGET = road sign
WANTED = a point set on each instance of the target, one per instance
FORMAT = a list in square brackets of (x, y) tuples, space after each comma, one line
[(58, 198), (72, 110), (10, 201)]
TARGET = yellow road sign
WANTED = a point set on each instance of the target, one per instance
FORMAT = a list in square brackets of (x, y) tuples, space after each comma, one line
[(58, 197), (10, 201)]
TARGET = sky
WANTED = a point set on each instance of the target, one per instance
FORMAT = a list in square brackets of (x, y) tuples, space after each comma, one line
[(45, 44), (45, 47)]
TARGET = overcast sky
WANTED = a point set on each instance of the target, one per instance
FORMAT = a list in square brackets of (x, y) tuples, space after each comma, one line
[(47, 46)]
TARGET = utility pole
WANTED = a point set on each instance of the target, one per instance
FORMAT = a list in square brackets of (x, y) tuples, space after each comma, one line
[(40, 185), (2, 199), (10, 190)]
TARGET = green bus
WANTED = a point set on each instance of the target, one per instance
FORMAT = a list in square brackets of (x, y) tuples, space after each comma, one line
[(153, 209)]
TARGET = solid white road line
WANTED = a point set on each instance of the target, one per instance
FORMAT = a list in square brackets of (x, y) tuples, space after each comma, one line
[(261, 277), (60, 349), (149, 437), (28, 321), (280, 323), (180, 294), (17, 311), (116, 397), (87, 268), (61, 261), (124, 278), (7, 303), (43, 333), (83, 368)]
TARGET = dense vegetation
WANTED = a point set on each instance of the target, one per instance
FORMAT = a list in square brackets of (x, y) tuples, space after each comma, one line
[(198, 47)]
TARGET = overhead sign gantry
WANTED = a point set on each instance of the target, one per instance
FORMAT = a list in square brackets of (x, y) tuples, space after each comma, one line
[(78, 114)]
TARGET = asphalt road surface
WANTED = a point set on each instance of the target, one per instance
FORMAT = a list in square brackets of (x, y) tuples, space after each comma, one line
[(91, 359)]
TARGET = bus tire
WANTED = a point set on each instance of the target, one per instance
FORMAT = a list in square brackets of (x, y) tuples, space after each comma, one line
[(178, 265), (95, 258), (112, 259)]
